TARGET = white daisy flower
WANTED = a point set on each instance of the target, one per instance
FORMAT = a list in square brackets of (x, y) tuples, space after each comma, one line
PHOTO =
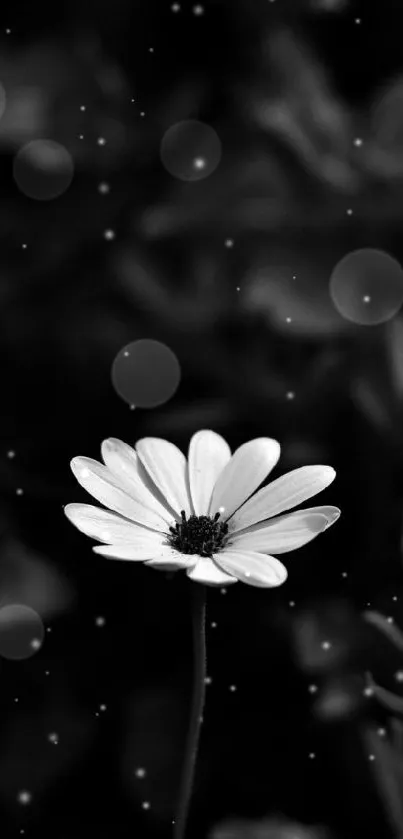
[(200, 514)]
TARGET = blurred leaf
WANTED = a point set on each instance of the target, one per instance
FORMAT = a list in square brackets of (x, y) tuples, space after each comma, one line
[(195, 306), (323, 640), (266, 828), (388, 699), (328, 5), (384, 153), (388, 771), (305, 113), (368, 399), (376, 380), (300, 306), (338, 699), (30, 579), (394, 343), (45, 80), (392, 632), (243, 194)]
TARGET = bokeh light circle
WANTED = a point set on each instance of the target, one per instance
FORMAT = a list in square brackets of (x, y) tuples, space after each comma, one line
[(21, 631), (146, 373), (43, 169), (366, 286), (190, 150)]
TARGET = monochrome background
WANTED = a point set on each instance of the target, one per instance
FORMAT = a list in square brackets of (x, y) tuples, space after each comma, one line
[(106, 240)]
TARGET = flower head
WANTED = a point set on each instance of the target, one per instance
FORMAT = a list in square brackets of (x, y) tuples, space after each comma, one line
[(202, 513)]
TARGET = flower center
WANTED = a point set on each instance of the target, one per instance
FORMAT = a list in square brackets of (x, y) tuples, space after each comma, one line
[(201, 535)]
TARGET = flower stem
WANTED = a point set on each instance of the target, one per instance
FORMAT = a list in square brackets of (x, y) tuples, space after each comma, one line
[(199, 692)]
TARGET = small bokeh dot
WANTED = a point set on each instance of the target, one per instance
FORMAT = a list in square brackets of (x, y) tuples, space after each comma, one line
[(21, 631), (190, 150), (146, 373), (43, 169)]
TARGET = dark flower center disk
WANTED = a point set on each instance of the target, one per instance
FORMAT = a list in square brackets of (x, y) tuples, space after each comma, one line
[(198, 535)]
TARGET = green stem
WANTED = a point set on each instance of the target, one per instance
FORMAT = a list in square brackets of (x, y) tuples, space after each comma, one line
[(199, 692)]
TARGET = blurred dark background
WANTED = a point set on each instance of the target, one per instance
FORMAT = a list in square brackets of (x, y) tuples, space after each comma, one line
[(93, 725)]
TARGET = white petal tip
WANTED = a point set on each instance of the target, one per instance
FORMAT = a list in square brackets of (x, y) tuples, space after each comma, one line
[(332, 518), (79, 468), (111, 444), (112, 552), (275, 581)]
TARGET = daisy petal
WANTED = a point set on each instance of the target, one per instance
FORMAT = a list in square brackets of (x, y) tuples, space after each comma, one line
[(332, 514), (167, 467), (208, 454), (285, 533), (282, 494), (106, 488), (251, 567), (140, 551), (171, 560), (249, 466), (206, 571), (125, 464), (104, 526)]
